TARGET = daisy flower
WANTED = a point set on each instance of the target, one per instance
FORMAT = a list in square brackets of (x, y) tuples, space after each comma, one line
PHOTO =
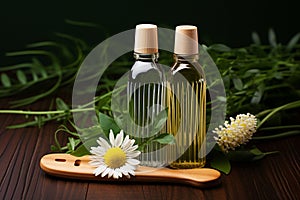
[(116, 157), (239, 131)]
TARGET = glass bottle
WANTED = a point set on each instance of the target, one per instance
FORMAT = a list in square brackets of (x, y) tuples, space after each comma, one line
[(187, 101), (146, 93)]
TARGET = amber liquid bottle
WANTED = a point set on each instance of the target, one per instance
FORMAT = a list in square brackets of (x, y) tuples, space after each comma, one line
[(186, 99)]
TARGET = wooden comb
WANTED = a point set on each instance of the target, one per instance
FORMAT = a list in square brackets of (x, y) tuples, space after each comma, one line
[(68, 166)]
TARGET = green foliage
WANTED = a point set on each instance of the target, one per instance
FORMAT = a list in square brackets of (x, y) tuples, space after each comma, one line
[(107, 123), (258, 78), (257, 74), (221, 161)]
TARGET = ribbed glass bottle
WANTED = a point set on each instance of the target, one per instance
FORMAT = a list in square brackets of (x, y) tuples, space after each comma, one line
[(146, 93), (186, 99)]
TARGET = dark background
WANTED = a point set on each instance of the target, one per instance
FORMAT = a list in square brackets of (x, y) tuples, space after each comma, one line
[(231, 23)]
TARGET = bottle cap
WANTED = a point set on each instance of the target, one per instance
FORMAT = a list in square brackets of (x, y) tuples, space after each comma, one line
[(186, 40), (146, 39)]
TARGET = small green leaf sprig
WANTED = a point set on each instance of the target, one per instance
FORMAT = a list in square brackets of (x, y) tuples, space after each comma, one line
[(82, 139)]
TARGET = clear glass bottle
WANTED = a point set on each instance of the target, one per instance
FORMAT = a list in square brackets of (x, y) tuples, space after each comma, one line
[(145, 92), (187, 101)]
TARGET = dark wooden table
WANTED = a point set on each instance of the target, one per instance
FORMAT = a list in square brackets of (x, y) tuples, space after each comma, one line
[(275, 177)]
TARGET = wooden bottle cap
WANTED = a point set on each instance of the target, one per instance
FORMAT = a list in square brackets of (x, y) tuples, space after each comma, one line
[(146, 39), (186, 40)]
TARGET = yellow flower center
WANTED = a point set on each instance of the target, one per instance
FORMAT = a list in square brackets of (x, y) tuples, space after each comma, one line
[(115, 157)]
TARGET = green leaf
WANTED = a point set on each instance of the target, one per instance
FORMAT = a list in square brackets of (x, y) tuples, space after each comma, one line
[(238, 84), (54, 148), (21, 77), (247, 155), (258, 94), (221, 98), (5, 80), (92, 131), (221, 162), (256, 151), (278, 75), (108, 123), (88, 141), (61, 105), (241, 155), (165, 138), (39, 68), (159, 121), (251, 72), (81, 151), (293, 42), (72, 143), (272, 38), (255, 38), (34, 76), (81, 23)]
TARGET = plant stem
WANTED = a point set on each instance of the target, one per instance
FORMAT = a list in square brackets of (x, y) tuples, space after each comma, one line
[(22, 112), (280, 135), (279, 127), (275, 110)]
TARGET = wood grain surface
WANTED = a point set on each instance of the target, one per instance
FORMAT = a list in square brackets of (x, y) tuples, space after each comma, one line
[(275, 177)]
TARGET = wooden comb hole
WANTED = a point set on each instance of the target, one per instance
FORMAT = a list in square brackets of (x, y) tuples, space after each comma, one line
[(77, 162), (60, 160)]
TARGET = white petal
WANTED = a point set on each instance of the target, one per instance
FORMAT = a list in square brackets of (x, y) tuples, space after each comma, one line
[(132, 148), (99, 151), (128, 167), (132, 142), (120, 174), (128, 176), (116, 175), (127, 146), (111, 138), (103, 143), (95, 150), (99, 170), (110, 173), (119, 139), (133, 161), (96, 163), (123, 171), (133, 154), (131, 172), (105, 172), (126, 142)]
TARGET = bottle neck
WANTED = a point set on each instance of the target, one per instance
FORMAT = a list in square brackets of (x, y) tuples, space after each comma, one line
[(183, 58), (146, 57)]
